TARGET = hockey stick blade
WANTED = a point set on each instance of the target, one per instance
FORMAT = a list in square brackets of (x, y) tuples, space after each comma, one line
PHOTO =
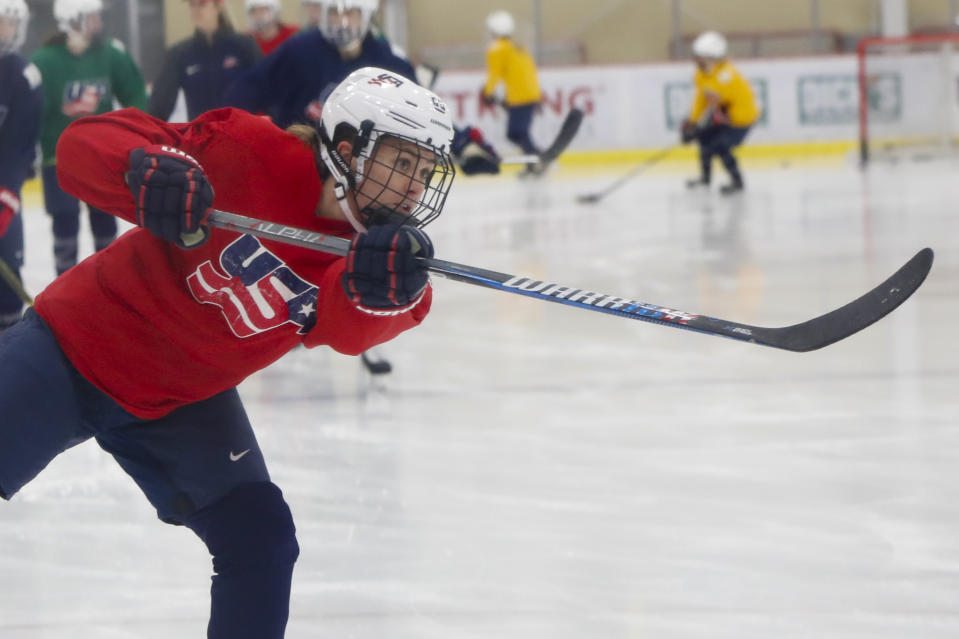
[(805, 336)]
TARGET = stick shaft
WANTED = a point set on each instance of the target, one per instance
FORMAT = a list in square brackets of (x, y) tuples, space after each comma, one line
[(643, 166), (11, 279)]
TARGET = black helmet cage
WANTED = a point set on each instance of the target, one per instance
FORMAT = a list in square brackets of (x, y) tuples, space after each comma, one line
[(434, 186)]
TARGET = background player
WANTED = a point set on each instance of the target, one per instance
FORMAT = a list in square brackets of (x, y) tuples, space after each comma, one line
[(513, 66), (190, 305), (203, 65), (263, 21), (82, 74), (20, 104), (292, 83), (724, 108)]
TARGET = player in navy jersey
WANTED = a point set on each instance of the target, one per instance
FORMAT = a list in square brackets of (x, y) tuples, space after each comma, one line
[(291, 84), (205, 64), (142, 346), (21, 102)]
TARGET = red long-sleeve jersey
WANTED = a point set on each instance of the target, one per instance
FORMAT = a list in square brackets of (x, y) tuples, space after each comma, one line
[(155, 326)]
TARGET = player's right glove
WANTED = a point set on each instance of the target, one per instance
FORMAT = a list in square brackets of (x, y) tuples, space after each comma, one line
[(688, 131), (9, 206), (173, 197), (382, 271)]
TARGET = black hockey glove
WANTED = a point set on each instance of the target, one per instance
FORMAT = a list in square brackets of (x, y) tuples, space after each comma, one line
[(382, 271), (173, 197), (473, 154), (688, 131)]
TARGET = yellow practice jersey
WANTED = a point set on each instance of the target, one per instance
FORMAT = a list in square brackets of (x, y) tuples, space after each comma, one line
[(735, 95), (514, 66)]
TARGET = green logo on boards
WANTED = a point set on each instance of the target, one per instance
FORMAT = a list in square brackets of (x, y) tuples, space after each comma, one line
[(834, 99), (678, 98)]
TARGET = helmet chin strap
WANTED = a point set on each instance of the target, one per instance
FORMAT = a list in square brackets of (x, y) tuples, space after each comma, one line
[(344, 183), (346, 180)]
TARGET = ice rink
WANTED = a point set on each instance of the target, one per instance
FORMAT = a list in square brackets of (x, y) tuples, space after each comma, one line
[(533, 471)]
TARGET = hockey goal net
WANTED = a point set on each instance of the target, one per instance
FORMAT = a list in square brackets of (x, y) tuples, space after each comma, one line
[(908, 96)]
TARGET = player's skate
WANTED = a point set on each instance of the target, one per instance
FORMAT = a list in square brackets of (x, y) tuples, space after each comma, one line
[(736, 186), (697, 183), (533, 170)]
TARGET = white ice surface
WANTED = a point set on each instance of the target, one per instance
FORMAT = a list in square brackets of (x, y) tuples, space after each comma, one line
[(532, 471)]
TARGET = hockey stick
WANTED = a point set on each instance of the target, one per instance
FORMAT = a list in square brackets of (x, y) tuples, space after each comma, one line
[(805, 336), (567, 131), (14, 283), (656, 158)]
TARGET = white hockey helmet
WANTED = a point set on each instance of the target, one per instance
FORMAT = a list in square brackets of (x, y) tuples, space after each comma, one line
[(15, 15), (710, 44), (262, 23), (269, 4), (344, 23), (500, 24), (372, 107), (70, 14)]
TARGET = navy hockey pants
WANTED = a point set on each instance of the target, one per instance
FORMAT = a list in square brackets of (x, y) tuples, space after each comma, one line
[(720, 141), (65, 211), (11, 252), (518, 123), (200, 466)]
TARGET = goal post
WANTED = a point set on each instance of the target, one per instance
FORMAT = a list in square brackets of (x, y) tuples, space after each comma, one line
[(908, 94)]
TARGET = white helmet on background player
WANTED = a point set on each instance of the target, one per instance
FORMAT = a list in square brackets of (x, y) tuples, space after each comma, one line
[(262, 20), (500, 24), (14, 16), (71, 15), (373, 107), (710, 45), (344, 23)]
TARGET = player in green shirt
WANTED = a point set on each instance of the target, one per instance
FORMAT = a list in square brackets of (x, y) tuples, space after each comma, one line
[(82, 75)]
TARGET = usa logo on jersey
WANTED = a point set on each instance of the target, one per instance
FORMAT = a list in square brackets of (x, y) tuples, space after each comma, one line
[(255, 291), (82, 98)]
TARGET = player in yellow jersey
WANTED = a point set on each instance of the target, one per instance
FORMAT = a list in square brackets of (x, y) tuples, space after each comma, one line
[(724, 108), (512, 65)]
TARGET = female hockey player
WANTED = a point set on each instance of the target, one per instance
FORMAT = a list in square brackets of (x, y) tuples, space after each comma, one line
[(292, 83), (20, 106), (82, 74), (263, 21), (142, 346), (203, 65), (722, 113), (512, 65)]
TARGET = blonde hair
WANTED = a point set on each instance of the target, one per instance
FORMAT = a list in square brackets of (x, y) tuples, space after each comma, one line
[(306, 134), (310, 138)]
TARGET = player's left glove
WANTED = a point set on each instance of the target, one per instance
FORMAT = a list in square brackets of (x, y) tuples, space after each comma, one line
[(9, 206), (173, 197), (688, 131), (382, 269), (473, 153), (488, 100)]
